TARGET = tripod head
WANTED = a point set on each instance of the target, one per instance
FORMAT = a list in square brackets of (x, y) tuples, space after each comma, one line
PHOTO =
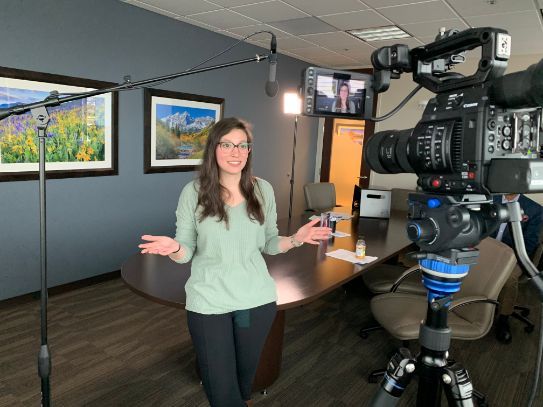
[(447, 228)]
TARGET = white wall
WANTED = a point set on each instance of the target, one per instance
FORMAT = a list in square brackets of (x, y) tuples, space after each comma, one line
[(411, 113)]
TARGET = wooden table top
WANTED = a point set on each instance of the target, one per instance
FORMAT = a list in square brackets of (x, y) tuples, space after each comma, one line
[(301, 275)]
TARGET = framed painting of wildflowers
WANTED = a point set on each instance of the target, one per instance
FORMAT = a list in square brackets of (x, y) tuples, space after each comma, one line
[(176, 127), (81, 136)]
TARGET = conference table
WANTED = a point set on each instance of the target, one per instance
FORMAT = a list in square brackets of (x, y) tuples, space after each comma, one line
[(301, 275)]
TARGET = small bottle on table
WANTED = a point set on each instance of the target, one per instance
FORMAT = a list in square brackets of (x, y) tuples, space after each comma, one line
[(360, 252)]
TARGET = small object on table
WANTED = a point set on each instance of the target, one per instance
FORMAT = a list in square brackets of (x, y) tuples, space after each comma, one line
[(360, 249)]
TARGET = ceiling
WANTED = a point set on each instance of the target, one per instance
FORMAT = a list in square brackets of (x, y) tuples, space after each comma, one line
[(314, 30)]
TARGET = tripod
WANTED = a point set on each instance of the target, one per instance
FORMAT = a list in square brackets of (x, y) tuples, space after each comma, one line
[(445, 228), (435, 373)]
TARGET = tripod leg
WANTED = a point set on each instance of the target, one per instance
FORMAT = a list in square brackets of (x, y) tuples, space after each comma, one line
[(399, 371), (457, 386)]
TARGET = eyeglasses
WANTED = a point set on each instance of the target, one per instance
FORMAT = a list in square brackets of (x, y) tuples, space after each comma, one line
[(228, 147)]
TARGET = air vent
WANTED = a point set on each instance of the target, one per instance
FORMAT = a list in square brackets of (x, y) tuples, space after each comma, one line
[(389, 32)]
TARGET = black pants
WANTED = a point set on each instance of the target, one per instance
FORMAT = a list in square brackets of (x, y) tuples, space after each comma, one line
[(228, 348)]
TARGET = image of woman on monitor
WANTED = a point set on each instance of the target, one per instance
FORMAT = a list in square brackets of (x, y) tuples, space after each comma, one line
[(343, 103)]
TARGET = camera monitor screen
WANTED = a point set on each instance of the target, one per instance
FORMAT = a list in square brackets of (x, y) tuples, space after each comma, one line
[(337, 93)]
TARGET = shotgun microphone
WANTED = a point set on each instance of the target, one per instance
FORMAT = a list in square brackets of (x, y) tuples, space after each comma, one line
[(272, 85)]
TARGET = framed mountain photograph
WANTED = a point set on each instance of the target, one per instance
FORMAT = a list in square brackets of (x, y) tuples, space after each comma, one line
[(81, 135), (176, 126)]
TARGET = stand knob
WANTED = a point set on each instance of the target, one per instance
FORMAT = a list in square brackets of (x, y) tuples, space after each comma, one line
[(422, 230)]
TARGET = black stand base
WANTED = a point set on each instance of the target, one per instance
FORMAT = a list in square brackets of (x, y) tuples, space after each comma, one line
[(522, 316)]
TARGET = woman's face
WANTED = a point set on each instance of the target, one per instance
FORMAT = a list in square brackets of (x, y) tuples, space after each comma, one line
[(232, 152), (344, 92)]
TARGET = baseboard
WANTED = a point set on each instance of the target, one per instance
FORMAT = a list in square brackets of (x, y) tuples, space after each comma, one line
[(34, 296)]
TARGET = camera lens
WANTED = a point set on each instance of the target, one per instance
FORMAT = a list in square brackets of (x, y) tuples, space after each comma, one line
[(387, 152)]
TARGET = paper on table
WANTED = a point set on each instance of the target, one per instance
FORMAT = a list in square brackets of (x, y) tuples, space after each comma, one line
[(349, 256), (337, 233)]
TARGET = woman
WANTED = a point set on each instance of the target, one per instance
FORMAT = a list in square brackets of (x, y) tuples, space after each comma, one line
[(342, 103), (225, 219)]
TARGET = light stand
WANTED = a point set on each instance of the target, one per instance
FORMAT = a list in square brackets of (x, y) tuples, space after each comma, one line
[(41, 115), (292, 105)]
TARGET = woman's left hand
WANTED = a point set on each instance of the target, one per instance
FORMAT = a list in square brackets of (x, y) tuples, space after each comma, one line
[(311, 234)]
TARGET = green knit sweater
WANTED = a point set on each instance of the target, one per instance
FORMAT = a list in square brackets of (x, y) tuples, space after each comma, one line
[(228, 271)]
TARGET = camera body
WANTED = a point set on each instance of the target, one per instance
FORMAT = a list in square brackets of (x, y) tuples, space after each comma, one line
[(457, 144), (474, 137)]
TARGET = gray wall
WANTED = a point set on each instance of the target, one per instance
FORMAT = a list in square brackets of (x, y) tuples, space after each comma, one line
[(95, 223)]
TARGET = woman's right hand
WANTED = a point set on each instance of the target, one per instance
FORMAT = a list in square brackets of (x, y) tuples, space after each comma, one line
[(162, 245)]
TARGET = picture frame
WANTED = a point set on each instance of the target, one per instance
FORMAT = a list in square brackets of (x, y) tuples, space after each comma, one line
[(176, 126), (82, 135)]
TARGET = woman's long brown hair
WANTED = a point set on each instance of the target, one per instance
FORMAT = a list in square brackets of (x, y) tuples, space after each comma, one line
[(211, 194)]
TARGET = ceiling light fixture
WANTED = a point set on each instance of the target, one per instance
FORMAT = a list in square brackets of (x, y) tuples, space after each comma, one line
[(389, 32)]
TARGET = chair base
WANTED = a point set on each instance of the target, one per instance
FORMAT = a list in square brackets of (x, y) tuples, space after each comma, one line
[(521, 316), (364, 332)]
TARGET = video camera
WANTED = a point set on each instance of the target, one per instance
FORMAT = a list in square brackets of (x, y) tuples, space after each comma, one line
[(480, 134)]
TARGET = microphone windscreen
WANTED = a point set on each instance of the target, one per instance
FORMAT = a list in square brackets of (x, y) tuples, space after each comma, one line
[(272, 88)]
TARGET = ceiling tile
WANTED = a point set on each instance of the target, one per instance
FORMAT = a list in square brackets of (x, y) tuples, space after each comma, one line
[(151, 8), (336, 41), (224, 19), (314, 52), (410, 42), (270, 11), (323, 57), (235, 3), (524, 27), (357, 53), (389, 3), (357, 19), (431, 28), (361, 61), (197, 23), (419, 12), (300, 26), (250, 29), (469, 8), (323, 7), (182, 7), (302, 58), (293, 43), (229, 34), (336, 61)]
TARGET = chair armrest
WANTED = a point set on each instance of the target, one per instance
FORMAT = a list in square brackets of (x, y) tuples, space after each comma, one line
[(403, 276), (471, 300)]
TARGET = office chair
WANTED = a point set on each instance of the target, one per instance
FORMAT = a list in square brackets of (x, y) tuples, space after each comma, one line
[(320, 196), (471, 313)]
